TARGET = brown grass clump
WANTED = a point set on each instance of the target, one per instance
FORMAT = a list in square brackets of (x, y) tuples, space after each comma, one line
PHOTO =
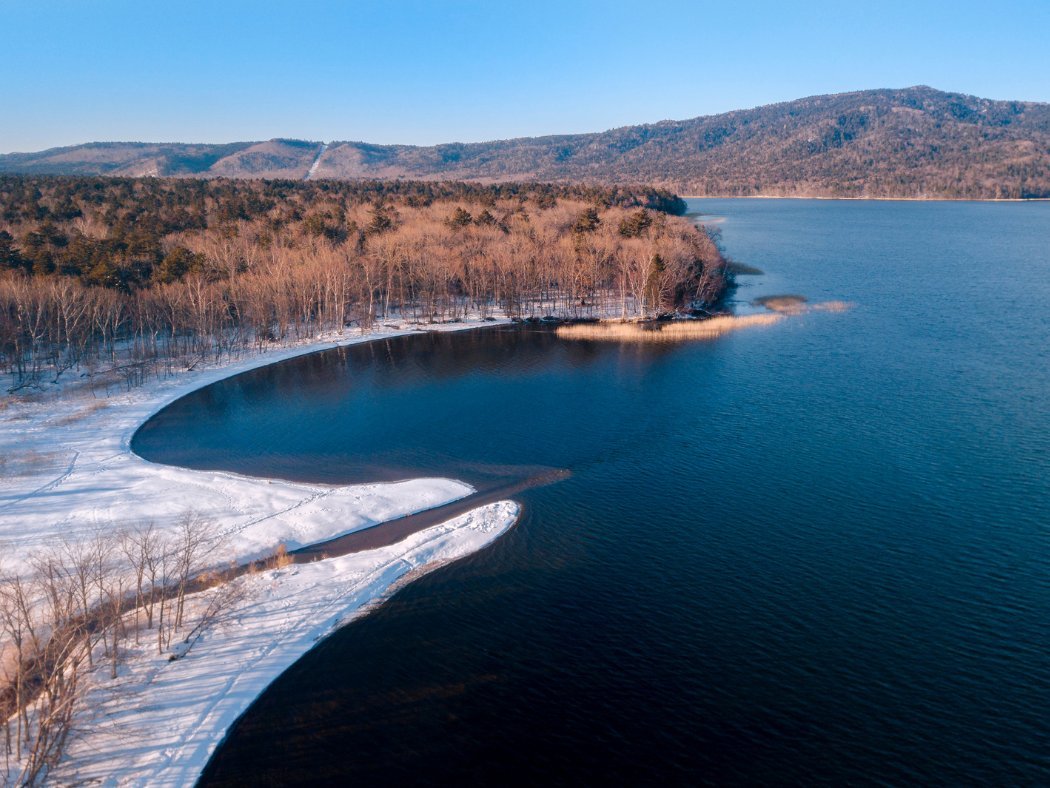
[(77, 415), (796, 305), (281, 559), (31, 463), (784, 304), (677, 331)]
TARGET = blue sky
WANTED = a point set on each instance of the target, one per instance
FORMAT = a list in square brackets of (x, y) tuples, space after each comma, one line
[(425, 72)]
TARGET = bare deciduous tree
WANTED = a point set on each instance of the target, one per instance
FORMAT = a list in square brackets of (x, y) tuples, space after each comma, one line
[(255, 264), (82, 597)]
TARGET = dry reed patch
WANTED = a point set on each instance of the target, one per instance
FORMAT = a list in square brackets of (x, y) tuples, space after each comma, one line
[(783, 304), (677, 331), (32, 463), (281, 559), (9, 412), (77, 415)]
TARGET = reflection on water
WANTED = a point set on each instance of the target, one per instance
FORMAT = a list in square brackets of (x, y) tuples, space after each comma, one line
[(673, 331), (813, 551), (464, 405)]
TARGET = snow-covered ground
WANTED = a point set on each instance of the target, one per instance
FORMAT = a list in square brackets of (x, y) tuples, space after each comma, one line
[(67, 473), (159, 721)]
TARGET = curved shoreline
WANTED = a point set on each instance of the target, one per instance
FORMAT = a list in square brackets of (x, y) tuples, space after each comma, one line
[(237, 658), (95, 444), (179, 710), (210, 375)]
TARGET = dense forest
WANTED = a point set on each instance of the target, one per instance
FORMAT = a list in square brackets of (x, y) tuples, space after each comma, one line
[(916, 142), (129, 273)]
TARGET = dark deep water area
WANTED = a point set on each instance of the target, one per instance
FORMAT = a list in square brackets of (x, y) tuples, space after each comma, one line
[(817, 551)]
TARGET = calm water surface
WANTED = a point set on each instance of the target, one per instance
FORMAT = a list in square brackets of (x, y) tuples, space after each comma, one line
[(817, 551)]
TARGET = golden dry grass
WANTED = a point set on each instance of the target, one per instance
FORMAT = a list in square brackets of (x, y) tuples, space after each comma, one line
[(281, 559), (77, 415), (677, 331), (797, 305), (31, 463), (784, 304)]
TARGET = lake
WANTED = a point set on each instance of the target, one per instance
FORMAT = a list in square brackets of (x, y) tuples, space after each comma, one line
[(812, 551)]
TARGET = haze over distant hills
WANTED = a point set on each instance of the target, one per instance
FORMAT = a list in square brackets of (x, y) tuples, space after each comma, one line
[(914, 142)]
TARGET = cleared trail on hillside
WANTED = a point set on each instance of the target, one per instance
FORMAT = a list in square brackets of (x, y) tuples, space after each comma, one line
[(316, 162)]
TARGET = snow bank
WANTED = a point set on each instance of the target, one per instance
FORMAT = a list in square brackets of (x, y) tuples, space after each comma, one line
[(159, 721)]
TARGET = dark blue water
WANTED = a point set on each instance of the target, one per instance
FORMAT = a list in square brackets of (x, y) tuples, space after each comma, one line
[(817, 551)]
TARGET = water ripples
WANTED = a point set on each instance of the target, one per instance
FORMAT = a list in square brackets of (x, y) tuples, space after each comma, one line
[(816, 552)]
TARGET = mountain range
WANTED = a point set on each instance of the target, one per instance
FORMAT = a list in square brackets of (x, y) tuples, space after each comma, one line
[(914, 142)]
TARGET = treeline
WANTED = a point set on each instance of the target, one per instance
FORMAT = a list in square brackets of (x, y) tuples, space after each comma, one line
[(131, 271)]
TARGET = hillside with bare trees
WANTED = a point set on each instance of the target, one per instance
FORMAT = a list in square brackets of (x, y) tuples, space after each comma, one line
[(916, 143), (131, 274)]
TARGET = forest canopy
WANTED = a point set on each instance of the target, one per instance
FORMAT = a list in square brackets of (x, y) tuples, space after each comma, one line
[(164, 268)]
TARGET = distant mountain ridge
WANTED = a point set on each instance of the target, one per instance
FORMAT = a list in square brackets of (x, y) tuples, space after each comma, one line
[(914, 142)]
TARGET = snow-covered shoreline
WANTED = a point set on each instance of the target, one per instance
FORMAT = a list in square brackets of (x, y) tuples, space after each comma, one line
[(159, 722), (71, 474)]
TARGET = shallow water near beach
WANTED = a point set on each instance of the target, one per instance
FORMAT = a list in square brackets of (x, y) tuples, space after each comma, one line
[(812, 550)]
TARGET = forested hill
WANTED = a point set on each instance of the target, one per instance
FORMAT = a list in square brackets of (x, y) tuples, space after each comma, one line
[(915, 142)]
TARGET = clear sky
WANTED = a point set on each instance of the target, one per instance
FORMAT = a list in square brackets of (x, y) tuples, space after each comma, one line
[(74, 71)]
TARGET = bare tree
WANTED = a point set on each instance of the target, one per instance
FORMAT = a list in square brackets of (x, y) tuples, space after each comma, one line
[(83, 595)]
